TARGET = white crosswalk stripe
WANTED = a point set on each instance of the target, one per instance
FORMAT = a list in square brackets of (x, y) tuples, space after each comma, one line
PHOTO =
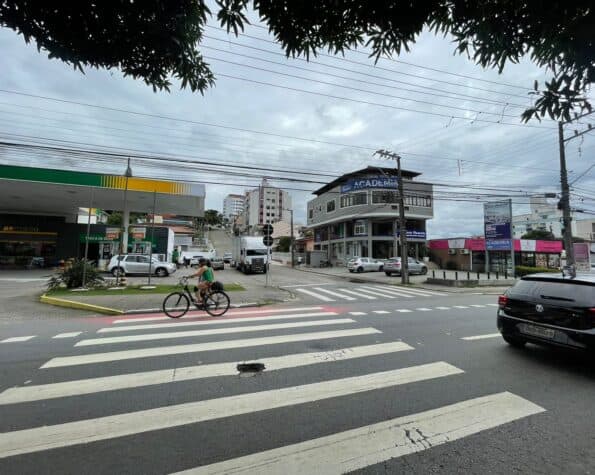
[(212, 331), (334, 294), (390, 291), (16, 339), (309, 292), (148, 378), (336, 451), (366, 290), (358, 294), (410, 291), (198, 347), (90, 430), (358, 448), (481, 337)]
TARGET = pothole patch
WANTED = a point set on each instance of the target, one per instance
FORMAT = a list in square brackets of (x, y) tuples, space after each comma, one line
[(250, 369)]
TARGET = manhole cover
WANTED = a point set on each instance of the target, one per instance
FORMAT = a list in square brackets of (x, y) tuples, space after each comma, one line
[(250, 369)]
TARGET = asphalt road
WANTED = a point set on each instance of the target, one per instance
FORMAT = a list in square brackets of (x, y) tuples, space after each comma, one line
[(384, 385)]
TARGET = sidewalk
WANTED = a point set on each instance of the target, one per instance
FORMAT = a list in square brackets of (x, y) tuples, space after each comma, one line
[(418, 281)]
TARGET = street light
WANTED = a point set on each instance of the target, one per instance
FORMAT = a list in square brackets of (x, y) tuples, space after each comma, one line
[(127, 174), (291, 247)]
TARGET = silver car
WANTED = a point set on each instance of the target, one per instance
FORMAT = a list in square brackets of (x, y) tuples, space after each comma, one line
[(139, 264), (364, 264), (393, 266), (217, 263)]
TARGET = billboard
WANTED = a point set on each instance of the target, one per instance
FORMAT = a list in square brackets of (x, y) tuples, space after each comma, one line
[(374, 181), (582, 256), (498, 225)]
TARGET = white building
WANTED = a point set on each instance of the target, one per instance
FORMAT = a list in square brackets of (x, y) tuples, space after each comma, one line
[(266, 204), (545, 216), (283, 228), (233, 205)]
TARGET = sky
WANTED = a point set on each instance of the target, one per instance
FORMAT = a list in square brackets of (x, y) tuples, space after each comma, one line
[(449, 119)]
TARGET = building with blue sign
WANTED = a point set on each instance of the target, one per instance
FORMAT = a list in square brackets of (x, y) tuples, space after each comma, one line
[(358, 214)]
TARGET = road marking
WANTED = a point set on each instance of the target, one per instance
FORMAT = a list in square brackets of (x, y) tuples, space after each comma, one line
[(378, 294), (422, 292), (306, 285), (357, 313), (481, 337), (211, 331), (369, 297), (403, 310), (380, 311), (334, 294), (119, 425), (424, 309), (477, 306), (391, 291), (214, 321), (149, 378), (16, 339), (314, 294), (460, 306), (492, 304), (67, 335), (358, 448), (442, 308), (198, 347), (228, 314)]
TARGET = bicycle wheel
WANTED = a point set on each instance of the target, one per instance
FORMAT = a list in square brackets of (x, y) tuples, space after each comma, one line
[(216, 303), (175, 305)]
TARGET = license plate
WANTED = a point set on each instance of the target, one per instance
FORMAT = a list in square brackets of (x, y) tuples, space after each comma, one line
[(536, 331)]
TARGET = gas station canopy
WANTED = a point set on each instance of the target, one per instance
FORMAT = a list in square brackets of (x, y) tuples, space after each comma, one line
[(61, 193)]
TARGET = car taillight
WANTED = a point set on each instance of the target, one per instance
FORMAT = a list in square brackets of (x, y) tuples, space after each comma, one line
[(502, 301)]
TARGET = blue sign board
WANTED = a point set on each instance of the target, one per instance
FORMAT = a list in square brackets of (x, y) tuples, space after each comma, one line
[(376, 181), (414, 234), (498, 225), (498, 244)]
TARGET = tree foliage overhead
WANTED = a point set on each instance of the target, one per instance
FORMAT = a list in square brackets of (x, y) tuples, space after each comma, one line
[(155, 40), (539, 234)]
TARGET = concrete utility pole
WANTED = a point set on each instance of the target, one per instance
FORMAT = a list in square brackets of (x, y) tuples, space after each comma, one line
[(402, 220), (565, 197)]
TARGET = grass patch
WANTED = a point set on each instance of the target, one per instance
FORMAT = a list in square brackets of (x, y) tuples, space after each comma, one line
[(134, 290)]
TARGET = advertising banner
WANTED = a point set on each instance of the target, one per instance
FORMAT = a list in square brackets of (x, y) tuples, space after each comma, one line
[(376, 181), (112, 234), (138, 234), (498, 225), (582, 257), (414, 234)]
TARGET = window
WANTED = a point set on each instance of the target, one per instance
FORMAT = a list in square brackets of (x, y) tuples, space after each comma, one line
[(417, 200), (330, 206), (385, 197), (354, 199), (310, 213), (360, 228)]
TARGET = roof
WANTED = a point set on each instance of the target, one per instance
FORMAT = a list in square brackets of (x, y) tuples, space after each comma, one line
[(180, 229), (581, 277), (364, 171)]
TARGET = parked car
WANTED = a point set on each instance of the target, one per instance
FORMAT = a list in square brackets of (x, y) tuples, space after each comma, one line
[(364, 264), (139, 264), (393, 266), (227, 257), (194, 260), (217, 263), (550, 309)]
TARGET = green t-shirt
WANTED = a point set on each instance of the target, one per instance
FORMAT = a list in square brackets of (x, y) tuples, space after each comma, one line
[(207, 275)]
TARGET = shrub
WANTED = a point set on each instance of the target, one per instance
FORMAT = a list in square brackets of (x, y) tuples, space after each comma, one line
[(72, 276), (525, 270)]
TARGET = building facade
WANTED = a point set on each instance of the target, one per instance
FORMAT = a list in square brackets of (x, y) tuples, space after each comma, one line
[(358, 215), (233, 205), (266, 205)]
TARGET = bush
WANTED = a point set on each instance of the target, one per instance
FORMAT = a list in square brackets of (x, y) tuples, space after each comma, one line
[(520, 271), (71, 276)]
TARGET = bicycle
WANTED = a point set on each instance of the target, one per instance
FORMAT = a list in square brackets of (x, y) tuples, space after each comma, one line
[(215, 301)]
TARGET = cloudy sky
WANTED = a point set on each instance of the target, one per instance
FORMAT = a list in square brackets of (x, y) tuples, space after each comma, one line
[(452, 121)]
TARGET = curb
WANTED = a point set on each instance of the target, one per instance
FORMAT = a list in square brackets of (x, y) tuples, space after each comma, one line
[(79, 305), (446, 289)]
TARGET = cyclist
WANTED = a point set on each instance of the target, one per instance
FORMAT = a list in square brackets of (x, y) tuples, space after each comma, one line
[(206, 277)]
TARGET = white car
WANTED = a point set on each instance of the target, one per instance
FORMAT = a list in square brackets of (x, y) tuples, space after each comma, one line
[(139, 264), (364, 264)]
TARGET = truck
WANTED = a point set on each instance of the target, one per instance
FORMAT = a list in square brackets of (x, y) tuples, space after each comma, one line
[(250, 254)]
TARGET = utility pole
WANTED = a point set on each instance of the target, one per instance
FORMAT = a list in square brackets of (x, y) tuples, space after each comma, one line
[(402, 220), (565, 197)]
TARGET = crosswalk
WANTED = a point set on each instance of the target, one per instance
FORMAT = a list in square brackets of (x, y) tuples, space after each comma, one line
[(364, 293), (143, 354)]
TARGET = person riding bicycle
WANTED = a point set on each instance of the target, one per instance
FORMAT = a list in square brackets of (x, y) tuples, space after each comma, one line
[(206, 277)]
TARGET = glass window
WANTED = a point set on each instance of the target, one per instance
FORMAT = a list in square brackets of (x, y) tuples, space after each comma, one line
[(385, 197), (360, 228), (310, 213), (354, 199), (330, 206)]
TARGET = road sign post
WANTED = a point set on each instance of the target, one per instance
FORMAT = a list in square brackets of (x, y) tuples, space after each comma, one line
[(267, 240)]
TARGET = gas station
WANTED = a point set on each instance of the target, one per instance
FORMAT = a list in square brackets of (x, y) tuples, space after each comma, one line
[(39, 209)]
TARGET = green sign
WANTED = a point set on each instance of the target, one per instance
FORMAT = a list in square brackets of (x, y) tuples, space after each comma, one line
[(94, 238)]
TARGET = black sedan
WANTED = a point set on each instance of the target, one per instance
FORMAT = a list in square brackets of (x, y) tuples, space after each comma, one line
[(549, 309)]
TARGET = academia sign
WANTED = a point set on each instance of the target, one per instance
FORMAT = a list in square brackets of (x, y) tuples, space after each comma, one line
[(498, 225), (368, 182)]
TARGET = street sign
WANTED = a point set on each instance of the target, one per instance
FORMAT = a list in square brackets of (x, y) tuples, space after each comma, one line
[(267, 229), (267, 241)]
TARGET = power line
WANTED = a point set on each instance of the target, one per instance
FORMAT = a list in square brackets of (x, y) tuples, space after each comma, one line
[(426, 67)]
